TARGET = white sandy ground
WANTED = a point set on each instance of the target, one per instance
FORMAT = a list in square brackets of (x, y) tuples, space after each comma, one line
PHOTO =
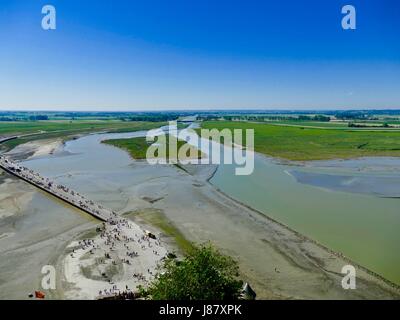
[(121, 271), (278, 262), (35, 149)]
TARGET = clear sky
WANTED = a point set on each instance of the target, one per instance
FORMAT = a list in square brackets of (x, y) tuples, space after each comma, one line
[(199, 54)]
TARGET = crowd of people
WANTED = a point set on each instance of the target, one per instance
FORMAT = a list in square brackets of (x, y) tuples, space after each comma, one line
[(120, 242)]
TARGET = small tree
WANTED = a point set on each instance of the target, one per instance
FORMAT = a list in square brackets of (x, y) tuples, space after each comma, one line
[(204, 274)]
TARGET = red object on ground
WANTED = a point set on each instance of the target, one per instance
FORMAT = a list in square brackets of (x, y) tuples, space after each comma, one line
[(39, 295)]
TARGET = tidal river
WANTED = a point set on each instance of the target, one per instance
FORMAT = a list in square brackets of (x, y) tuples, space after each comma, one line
[(335, 203), (348, 206)]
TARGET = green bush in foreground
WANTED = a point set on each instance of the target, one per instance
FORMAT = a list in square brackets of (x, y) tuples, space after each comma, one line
[(204, 274)]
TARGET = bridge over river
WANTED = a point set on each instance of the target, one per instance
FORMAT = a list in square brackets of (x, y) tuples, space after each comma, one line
[(57, 190)]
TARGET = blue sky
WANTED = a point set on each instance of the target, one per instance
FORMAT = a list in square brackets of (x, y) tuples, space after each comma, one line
[(144, 55)]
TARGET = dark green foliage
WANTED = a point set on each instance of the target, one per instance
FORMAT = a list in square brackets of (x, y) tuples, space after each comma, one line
[(204, 274)]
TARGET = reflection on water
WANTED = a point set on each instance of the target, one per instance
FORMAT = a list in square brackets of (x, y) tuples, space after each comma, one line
[(373, 176), (373, 185)]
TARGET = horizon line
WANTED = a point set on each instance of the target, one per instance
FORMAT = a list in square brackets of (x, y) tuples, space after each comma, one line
[(204, 110)]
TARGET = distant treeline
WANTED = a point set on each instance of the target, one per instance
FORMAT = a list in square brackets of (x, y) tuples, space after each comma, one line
[(30, 118), (349, 115), (134, 116), (364, 125), (367, 115), (293, 113), (245, 114), (152, 118), (124, 116), (7, 119), (259, 118), (39, 117), (326, 116)]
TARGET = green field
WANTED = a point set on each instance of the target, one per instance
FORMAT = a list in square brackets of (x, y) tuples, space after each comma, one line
[(14, 128), (137, 147), (300, 143), (65, 129), (328, 125), (344, 125)]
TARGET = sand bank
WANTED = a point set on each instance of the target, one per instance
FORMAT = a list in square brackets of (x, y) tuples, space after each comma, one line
[(35, 149)]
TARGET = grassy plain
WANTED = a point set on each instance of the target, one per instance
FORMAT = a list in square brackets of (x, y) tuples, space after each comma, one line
[(137, 147), (330, 125), (344, 125), (64, 129), (301, 143), (28, 127)]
